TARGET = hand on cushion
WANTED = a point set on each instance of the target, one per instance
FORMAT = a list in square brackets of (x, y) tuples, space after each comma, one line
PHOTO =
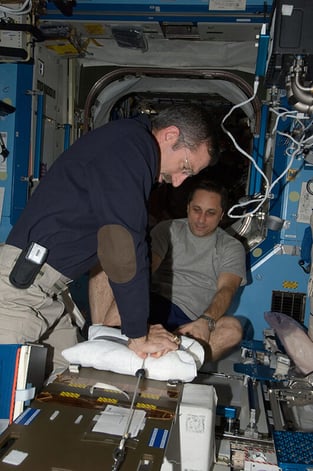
[(157, 343)]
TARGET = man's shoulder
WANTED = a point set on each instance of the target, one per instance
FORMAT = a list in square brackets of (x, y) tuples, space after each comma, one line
[(173, 223), (179, 225), (172, 227), (225, 238), (181, 222)]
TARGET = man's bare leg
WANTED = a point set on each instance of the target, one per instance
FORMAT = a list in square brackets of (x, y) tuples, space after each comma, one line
[(103, 308), (226, 336)]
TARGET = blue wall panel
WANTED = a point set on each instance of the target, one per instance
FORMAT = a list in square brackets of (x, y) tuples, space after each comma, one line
[(15, 82), (270, 276), (177, 10)]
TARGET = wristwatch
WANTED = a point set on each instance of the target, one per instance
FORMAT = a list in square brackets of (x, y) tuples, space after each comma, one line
[(211, 321)]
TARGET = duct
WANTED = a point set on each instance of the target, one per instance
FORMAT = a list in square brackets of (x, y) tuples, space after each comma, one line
[(239, 90), (300, 87), (300, 94), (131, 84), (300, 97)]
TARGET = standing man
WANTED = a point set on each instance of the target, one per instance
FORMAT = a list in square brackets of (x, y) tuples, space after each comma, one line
[(91, 207), (197, 269)]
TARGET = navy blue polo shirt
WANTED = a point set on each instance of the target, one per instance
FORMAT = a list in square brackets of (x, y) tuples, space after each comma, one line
[(105, 177)]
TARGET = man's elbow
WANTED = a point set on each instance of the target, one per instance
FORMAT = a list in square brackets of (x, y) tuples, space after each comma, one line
[(116, 252)]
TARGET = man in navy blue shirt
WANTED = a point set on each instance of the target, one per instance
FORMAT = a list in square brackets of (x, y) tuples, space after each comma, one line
[(91, 207)]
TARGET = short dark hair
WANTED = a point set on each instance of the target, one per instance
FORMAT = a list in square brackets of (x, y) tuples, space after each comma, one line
[(212, 187), (195, 125)]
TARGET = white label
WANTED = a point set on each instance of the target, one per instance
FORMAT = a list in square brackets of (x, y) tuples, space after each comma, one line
[(224, 5)]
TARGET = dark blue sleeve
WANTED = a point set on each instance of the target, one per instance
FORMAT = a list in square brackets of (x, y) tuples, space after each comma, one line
[(120, 190)]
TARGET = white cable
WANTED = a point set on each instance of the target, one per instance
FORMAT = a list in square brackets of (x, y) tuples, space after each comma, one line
[(280, 113), (288, 114), (15, 10), (25, 8), (242, 151), (288, 166)]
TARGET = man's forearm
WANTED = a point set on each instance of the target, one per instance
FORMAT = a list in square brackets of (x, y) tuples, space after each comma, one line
[(220, 303)]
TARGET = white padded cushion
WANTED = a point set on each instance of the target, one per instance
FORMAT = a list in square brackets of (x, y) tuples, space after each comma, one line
[(106, 354)]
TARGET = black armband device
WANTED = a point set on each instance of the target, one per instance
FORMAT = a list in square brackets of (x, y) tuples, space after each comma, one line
[(28, 265)]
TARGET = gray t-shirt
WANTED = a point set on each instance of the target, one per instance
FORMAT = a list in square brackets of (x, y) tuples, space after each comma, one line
[(191, 265)]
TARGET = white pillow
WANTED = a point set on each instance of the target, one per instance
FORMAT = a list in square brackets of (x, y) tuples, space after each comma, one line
[(106, 349)]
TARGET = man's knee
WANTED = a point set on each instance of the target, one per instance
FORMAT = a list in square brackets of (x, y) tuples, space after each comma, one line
[(232, 329)]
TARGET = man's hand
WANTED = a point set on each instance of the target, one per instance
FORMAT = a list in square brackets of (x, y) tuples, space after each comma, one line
[(158, 342), (197, 329)]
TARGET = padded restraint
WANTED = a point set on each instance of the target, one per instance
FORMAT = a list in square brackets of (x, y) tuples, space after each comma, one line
[(116, 252)]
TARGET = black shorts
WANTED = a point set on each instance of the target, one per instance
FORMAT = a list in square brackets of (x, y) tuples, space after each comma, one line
[(163, 311)]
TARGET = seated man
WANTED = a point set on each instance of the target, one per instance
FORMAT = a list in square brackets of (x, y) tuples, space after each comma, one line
[(197, 269)]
